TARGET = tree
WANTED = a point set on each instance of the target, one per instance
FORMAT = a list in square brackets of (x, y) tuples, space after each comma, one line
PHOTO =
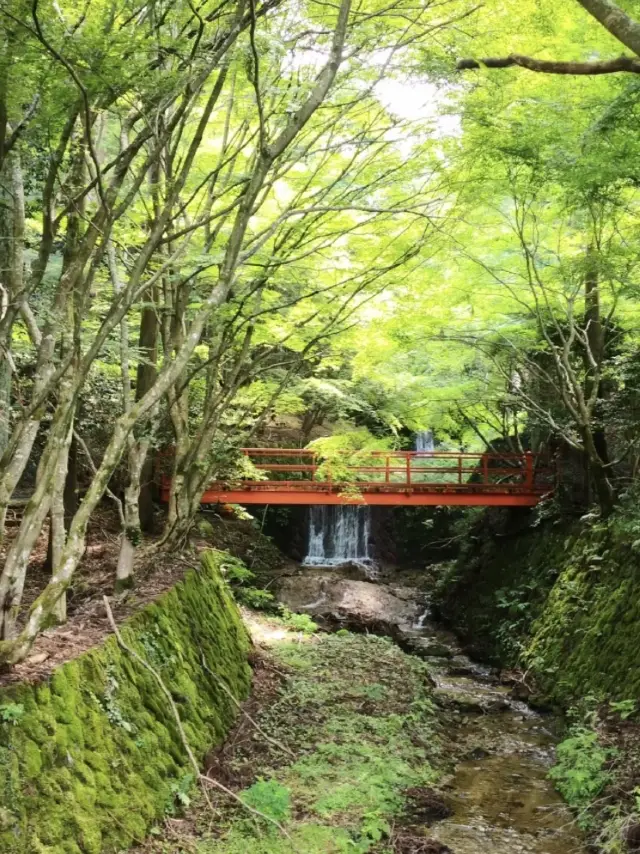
[(609, 15), (197, 189)]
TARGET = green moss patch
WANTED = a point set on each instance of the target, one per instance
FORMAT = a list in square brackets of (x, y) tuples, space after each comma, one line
[(91, 758)]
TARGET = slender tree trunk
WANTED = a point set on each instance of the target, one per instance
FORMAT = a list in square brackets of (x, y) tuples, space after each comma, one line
[(57, 514), (614, 19), (15, 650), (35, 513), (6, 226), (71, 482), (147, 373), (12, 227), (6, 229), (132, 534), (595, 442)]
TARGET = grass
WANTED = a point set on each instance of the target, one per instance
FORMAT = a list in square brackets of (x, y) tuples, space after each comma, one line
[(357, 714)]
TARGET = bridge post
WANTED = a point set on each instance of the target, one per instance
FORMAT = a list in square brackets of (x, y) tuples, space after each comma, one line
[(408, 470), (528, 469)]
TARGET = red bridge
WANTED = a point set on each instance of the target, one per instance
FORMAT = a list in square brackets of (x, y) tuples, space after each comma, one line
[(401, 478)]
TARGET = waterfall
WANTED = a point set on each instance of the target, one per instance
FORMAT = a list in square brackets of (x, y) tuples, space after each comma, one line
[(337, 535), (424, 441)]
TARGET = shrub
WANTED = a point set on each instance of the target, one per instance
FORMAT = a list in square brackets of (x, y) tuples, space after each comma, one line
[(580, 773)]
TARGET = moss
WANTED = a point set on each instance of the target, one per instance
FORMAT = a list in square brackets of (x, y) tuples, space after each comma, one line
[(499, 585), (561, 601), (89, 765), (32, 759), (123, 584)]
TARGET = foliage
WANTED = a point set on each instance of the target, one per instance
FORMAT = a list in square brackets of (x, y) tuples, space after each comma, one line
[(182, 281), (624, 708), (256, 597), (297, 622), (10, 713), (270, 798), (239, 578), (580, 772), (179, 794)]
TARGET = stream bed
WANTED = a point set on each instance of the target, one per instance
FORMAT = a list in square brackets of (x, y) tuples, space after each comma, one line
[(499, 795)]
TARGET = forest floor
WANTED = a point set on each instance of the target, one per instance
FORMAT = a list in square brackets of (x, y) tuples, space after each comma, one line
[(353, 745), (156, 571), (355, 755)]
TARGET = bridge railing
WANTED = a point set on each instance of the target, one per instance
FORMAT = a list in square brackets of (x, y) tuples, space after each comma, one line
[(292, 467)]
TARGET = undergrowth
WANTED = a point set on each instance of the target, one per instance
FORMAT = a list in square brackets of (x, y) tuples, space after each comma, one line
[(242, 582), (580, 773), (357, 713)]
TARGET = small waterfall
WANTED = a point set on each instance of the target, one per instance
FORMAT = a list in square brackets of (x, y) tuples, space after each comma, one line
[(337, 535), (424, 441), (421, 619)]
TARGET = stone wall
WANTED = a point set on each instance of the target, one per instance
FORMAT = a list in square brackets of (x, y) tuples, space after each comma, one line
[(91, 758)]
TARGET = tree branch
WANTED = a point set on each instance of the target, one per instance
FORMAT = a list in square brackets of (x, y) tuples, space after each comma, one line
[(615, 21), (623, 64)]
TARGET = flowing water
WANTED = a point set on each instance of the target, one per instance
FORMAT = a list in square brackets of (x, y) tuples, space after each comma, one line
[(338, 535), (424, 441), (499, 791)]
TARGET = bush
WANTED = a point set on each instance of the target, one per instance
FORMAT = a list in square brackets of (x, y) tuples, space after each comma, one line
[(298, 622), (580, 773)]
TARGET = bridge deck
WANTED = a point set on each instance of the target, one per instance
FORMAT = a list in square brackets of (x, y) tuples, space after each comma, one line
[(394, 478)]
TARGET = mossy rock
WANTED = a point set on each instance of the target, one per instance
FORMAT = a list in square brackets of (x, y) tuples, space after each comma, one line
[(88, 765)]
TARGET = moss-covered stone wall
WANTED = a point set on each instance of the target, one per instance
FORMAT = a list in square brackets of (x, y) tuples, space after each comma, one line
[(561, 599), (494, 591), (90, 759)]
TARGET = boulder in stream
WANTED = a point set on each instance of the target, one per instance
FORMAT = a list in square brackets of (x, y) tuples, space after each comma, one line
[(356, 604)]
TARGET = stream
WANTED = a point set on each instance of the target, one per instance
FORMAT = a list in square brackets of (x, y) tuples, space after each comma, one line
[(500, 798)]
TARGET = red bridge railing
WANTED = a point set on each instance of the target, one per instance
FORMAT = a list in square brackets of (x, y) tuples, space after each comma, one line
[(300, 476)]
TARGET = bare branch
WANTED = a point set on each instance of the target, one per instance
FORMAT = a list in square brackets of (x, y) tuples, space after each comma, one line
[(623, 64)]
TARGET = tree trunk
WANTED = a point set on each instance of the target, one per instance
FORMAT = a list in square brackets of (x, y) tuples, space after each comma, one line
[(146, 376), (131, 535), (12, 226), (172, 370), (616, 21), (71, 482), (597, 445), (5, 296), (58, 531)]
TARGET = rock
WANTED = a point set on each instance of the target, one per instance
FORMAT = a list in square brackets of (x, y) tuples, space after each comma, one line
[(467, 704), (460, 670), (38, 658), (497, 706), (359, 604), (426, 805), (520, 692), (460, 704), (410, 843), (476, 754), (430, 648), (632, 837)]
